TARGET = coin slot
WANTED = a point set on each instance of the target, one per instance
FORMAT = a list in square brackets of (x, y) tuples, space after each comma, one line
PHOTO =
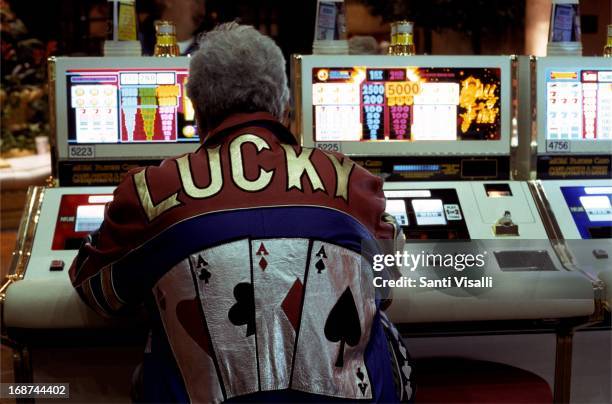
[(498, 190)]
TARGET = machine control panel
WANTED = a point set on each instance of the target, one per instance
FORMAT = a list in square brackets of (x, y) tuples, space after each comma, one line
[(428, 213), (464, 211)]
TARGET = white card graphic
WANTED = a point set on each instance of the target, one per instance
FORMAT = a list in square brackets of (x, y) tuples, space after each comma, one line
[(181, 314), (278, 274), (335, 327), (224, 278)]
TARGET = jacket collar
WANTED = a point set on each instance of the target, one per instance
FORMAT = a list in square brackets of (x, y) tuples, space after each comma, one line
[(243, 120)]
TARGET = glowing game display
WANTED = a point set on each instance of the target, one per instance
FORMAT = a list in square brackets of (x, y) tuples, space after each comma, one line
[(406, 104), (591, 209), (597, 208), (88, 218), (129, 106), (397, 209), (578, 104), (428, 212)]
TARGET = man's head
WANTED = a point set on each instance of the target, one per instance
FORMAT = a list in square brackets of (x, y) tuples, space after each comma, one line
[(236, 70)]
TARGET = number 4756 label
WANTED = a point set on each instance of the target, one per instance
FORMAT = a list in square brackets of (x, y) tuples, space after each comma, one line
[(81, 151), (558, 146)]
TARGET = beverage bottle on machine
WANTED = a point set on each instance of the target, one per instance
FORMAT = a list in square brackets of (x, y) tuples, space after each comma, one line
[(165, 44), (607, 51), (402, 39)]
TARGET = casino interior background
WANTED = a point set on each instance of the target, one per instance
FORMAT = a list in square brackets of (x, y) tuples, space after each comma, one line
[(442, 27)]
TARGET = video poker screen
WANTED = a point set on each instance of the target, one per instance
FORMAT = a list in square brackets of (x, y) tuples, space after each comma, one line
[(129, 106), (591, 209), (362, 104), (78, 215), (578, 104)]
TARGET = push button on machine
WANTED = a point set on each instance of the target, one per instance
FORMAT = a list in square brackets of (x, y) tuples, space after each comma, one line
[(600, 254), (56, 265)]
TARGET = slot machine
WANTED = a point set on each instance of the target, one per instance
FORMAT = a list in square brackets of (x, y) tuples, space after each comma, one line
[(110, 115), (573, 130), (438, 130)]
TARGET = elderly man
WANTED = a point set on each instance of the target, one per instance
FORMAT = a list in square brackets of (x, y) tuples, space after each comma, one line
[(246, 252)]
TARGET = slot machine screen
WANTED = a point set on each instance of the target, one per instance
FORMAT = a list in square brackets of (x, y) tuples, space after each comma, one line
[(112, 106), (406, 104), (121, 110), (574, 113), (579, 104)]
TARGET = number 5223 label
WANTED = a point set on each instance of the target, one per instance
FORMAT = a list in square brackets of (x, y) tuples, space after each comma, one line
[(82, 152)]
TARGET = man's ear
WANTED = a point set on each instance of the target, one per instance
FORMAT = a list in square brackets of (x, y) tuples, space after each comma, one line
[(202, 131), (286, 118)]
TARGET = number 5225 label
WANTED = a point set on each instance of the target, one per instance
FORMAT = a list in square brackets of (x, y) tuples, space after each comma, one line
[(329, 146)]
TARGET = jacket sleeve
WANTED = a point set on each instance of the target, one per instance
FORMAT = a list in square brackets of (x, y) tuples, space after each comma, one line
[(91, 272)]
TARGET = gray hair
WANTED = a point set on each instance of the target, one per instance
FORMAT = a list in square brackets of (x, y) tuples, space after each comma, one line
[(236, 69)]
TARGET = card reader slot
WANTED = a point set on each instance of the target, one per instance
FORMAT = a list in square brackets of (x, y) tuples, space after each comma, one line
[(600, 232), (498, 190), (521, 260)]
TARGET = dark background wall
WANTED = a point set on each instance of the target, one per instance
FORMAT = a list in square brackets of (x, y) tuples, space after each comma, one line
[(77, 25)]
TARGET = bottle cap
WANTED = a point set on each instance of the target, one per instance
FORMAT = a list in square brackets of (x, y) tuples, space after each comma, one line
[(165, 28), (402, 27)]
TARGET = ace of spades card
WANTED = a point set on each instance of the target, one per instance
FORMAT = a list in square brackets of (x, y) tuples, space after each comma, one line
[(337, 316), (226, 291), (180, 311)]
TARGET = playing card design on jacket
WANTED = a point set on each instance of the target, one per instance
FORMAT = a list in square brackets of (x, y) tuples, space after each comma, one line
[(278, 280), (338, 309), (250, 250), (180, 310), (227, 303)]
